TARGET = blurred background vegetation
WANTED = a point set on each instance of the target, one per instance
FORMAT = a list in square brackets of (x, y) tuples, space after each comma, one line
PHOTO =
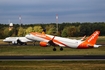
[(76, 29)]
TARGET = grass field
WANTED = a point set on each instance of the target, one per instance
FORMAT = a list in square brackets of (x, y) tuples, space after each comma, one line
[(52, 65), (37, 50)]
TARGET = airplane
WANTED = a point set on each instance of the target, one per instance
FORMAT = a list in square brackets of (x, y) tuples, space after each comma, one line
[(17, 40), (46, 40)]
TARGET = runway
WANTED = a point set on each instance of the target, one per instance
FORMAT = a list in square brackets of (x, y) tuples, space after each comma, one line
[(53, 57)]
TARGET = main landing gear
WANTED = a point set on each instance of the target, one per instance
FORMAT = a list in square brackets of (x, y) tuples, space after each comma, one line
[(61, 49), (54, 44), (54, 49)]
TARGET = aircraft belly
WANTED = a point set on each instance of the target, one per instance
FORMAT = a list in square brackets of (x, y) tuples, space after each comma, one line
[(72, 45), (68, 44)]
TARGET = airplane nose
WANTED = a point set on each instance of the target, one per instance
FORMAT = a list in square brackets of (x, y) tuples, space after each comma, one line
[(4, 40)]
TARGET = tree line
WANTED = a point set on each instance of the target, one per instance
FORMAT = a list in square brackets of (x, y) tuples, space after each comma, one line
[(64, 29)]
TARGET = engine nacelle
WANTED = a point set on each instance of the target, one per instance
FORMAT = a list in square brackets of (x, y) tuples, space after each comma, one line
[(43, 44)]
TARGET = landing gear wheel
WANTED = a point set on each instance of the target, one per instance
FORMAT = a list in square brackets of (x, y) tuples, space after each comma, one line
[(61, 49), (54, 49)]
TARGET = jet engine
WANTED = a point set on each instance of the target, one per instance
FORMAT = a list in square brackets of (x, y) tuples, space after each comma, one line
[(43, 44)]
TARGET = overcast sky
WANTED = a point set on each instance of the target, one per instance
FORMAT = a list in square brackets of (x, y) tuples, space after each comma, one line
[(44, 11)]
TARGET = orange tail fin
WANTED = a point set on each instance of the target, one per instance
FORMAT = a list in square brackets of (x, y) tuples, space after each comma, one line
[(93, 38)]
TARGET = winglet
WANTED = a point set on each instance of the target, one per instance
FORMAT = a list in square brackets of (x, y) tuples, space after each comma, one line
[(83, 38)]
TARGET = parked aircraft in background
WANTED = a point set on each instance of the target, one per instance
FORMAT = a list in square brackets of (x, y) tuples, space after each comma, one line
[(17, 40), (46, 40)]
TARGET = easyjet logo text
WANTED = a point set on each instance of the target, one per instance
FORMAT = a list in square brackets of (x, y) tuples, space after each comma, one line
[(93, 36)]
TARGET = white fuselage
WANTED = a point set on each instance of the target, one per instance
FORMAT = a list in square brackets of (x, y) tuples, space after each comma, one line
[(46, 39), (63, 42), (14, 39)]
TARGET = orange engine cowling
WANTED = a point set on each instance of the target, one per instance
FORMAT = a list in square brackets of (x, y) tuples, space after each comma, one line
[(43, 44)]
